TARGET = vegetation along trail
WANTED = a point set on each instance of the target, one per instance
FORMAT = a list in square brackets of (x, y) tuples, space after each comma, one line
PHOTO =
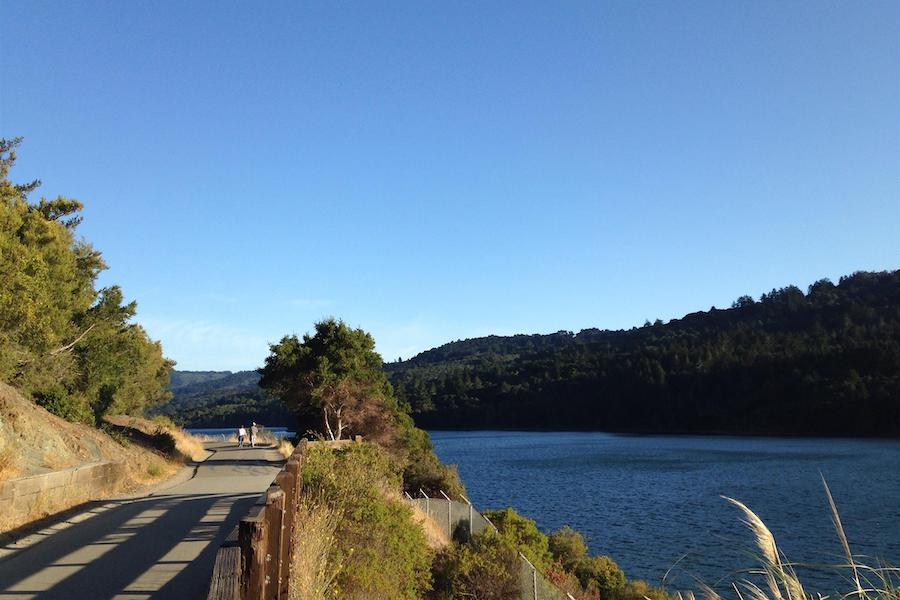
[(160, 546)]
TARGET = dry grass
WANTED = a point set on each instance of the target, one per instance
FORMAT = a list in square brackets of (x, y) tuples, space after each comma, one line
[(312, 575), (9, 460), (434, 533), (285, 448), (188, 445), (781, 581)]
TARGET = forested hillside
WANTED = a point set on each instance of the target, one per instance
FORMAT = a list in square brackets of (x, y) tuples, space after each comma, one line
[(824, 362), (221, 399)]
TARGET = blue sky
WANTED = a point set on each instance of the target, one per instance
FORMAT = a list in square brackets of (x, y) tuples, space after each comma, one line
[(434, 171)]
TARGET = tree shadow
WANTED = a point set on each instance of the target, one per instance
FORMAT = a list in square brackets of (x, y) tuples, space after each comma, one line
[(161, 546)]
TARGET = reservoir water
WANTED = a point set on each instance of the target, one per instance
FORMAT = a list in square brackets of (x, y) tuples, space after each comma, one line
[(653, 503), (278, 432)]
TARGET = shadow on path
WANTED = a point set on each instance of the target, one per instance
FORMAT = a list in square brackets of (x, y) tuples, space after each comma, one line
[(137, 549)]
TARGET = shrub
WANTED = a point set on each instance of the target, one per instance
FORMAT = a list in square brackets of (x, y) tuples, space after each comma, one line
[(164, 422), (486, 569), (423, 470), (154, 470), (164, 442), (116, 434), (563, 558), (374, 528), (430, 475), (640, 590), (568, 547), (600, 574), (58, 401), (523, 534), (104, 401)]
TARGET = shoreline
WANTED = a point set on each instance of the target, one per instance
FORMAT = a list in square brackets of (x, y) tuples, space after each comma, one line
[(653, 433)]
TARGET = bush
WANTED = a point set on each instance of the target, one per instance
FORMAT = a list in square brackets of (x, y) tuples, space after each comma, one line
[(522, 533), (58, 401), (640, 590), (486, 569), (563, 558), (568, 547), (429, 474), (164, 442), (600, 574), (374, 528), (116, 434), (423, 470), (164, 422), (104, 401)]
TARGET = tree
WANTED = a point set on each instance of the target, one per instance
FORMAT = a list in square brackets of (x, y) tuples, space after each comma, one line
[(337, 375), (335, 372), (70, 345)]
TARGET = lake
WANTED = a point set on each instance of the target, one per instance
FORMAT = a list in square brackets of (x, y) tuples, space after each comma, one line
[(278, 432), (650, 502)]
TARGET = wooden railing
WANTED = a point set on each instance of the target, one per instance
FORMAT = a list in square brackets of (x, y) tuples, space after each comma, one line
[(254, 562)]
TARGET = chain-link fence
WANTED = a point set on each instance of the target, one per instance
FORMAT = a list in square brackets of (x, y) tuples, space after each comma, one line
[(460, 521)]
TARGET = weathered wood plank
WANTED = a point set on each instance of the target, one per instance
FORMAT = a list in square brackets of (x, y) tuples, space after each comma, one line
[(225, 583)]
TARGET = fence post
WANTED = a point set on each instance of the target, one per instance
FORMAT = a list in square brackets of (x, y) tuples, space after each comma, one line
[(287, 482), (274, 514), (252, 540), (427, 502), (471, 516), (292, 466)]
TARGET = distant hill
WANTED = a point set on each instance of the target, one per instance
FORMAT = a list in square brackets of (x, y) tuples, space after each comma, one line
[(221, 399), (188, 383), (824, 362), (180, 379)]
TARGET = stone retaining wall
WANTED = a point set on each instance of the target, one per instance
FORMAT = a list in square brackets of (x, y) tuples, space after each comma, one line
[(28, 498)]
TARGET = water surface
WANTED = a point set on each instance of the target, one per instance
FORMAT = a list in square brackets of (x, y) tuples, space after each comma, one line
[(278, 432), (653, 501)]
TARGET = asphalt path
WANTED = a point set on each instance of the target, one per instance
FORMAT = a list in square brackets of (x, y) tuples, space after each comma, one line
[(158, 546)]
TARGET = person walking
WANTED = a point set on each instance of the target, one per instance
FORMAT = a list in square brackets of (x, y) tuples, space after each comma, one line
[(242, 433), (253, 431)]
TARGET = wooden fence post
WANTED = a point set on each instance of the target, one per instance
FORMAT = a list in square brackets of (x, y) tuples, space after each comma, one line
[(293, 467), (287, 482), (274, 515), (253, 543)]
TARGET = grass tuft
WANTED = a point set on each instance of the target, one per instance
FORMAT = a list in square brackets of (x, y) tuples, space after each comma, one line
[(782, 583)]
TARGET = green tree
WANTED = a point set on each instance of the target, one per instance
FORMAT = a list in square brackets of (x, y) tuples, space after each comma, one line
[(69, 344), (336, 372)]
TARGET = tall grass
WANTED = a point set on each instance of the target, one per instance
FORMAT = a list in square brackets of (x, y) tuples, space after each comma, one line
[(285, 448), (779, 579), (313, 575)]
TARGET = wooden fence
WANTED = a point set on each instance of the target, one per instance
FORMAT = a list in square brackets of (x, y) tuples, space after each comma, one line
[(254, 562)]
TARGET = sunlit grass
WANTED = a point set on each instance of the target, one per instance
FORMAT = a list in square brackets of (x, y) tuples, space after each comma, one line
[(779, 579)]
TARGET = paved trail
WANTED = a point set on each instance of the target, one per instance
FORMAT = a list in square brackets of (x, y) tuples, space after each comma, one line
[(162, 546)]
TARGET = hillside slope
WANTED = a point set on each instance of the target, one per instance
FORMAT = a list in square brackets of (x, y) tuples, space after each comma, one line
[(822, 363), (34, 441), (221, 399)]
